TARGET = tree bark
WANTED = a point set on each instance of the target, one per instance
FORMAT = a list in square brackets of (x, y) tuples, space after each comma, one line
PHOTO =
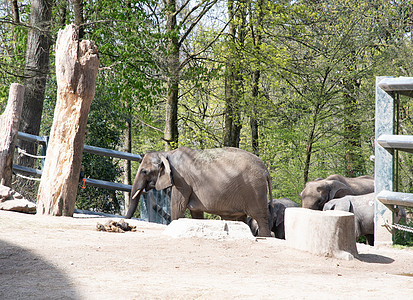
[(76, 69), (234, 84), (352, 131), (9, 127), (16, 16), (35, 74), (171, 109), (79, 20), (127, 179), (256, 75)]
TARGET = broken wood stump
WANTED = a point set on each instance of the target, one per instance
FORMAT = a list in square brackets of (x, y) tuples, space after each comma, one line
[(77, 65), (9, 127)]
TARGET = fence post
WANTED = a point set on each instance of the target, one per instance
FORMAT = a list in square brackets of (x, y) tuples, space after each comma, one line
[(9, 127), (77, 65), (383, 170)]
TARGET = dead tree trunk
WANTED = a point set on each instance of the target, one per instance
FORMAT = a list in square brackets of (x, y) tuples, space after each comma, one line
[(9, 127), (76, 69)]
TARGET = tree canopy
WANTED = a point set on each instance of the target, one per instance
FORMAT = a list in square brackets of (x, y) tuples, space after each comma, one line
[(292, 81)]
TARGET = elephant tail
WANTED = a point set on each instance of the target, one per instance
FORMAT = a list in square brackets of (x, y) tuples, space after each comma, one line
[(270, 190)]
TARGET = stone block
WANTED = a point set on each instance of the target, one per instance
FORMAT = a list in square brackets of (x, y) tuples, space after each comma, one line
[(210, 229), (326, 233), (19, 205)]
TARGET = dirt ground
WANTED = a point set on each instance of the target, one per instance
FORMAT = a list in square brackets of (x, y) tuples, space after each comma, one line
[(67, 258)]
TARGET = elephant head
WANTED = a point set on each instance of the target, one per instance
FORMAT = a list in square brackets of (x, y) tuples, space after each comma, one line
[(154, 172), (343, 204), (317, 193)]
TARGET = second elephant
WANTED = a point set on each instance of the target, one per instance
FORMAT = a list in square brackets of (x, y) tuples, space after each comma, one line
[(276, 214), (362, 206), (318, 192)]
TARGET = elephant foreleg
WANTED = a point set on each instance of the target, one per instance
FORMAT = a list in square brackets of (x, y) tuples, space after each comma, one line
[(178, 204), (197, 214)]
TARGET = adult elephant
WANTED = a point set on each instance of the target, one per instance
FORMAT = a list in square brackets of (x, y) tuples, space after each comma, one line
[(277, 212), (228, 182), (318, 192)]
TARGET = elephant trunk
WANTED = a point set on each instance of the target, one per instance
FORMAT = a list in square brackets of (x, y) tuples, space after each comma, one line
[(133, 204)]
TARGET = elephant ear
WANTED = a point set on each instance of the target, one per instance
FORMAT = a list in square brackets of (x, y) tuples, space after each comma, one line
[(279, 210), (165, 176), (339, 189)]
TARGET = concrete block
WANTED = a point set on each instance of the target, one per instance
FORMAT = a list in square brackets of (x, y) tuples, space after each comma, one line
[(327, 233), (210, 229)]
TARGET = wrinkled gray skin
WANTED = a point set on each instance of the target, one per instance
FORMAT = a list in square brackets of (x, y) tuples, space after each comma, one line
[(277, 216), (228, 182), (318, 192), (362, 206)]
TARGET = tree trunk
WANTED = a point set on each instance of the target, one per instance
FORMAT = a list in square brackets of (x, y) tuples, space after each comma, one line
[(16, 16), (234, 84), (9, 127), (309, 151), (171, 109), (35, 74), (352, 132), (253, 117), (127, 179), (79, 20), (76, 69), (62, 10), (257, 39)]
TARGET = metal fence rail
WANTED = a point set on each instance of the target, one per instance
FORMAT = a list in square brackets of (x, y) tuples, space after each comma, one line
[(155, 205)]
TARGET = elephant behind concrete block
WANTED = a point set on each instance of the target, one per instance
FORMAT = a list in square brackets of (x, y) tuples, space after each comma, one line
[(362, 206), (318, 192), (228, 182), (277, 212)]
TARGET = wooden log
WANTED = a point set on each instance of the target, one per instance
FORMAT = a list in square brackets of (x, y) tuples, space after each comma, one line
[(9, 127), (77, 65)]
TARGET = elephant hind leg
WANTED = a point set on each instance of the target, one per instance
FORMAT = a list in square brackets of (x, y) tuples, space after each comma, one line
[(370, 239), (263, 227)]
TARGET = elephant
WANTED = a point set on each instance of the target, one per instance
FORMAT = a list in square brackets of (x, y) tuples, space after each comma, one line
[(276, 215), (362, 206), (318, 192), (228, 182)]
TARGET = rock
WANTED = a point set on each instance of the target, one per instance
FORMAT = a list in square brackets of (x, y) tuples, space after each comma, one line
[(12, 200), (328, 233), (4, 193), (210, 229), (19, 205)]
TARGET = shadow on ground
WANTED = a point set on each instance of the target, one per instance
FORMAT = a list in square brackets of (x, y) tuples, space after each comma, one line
[(375, 259), (24, 275)]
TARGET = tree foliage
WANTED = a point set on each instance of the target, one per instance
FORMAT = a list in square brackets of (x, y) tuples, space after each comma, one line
[(293, 80)]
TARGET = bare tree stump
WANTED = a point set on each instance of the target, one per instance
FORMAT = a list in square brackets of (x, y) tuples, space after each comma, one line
[(76, 69), (9, 127)]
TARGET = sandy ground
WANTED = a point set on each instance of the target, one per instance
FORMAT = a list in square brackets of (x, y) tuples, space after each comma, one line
[(67, 258)]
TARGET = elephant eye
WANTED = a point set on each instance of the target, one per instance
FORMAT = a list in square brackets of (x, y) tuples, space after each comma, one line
[(144, 172)]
